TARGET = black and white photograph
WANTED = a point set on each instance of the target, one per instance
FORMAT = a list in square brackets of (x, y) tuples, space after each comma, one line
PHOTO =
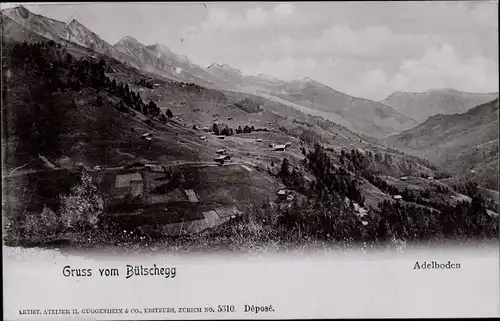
[(233, 130)]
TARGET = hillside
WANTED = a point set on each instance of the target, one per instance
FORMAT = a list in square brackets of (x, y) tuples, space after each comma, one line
[(12, 31), (462, 142), (420, 106)]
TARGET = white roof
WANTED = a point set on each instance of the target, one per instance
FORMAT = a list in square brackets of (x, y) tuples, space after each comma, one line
[(279, 146), (398, 197)]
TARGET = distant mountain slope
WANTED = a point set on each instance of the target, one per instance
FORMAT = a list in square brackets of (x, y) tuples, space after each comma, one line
[(420, 106), (183, 67), (160, 60), (462, 142), (361, 115)]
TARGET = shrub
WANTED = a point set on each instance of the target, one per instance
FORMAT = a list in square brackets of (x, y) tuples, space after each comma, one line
[(41, 228), (82, 207)]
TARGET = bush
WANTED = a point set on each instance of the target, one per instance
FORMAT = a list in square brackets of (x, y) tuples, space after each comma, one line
[(41, 228), (82, 207)]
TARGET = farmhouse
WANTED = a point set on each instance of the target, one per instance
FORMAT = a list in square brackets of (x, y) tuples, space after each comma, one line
[(404, 178), (281, 193), (204, 138), (258, 140), (279, 147), (130, 183), (221, 151), (222, 158), (430, 177), (191, 195), (397, 197)]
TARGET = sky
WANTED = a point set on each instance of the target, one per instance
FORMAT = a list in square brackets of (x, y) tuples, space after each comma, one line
[(364, 49)]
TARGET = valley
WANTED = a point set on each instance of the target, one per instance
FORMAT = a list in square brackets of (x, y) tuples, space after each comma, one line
[(131, 144)]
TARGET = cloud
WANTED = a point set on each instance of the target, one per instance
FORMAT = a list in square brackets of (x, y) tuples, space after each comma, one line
[(221, 18), (369, 42), (256, 17), (443, 68), (438, 67), (283, 10), (251, 18)]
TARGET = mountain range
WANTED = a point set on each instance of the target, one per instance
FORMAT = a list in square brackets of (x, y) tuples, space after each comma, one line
[(400, 111), (361, 115)]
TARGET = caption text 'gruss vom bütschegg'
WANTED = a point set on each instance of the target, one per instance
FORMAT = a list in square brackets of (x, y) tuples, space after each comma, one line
[(129, 271)]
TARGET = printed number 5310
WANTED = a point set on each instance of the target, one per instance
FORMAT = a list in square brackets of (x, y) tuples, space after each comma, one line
[(225, 308)]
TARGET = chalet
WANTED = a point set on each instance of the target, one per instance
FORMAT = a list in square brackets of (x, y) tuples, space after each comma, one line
[(472, 170), (206, 129), (204, 138), (130, 183), (404, 178), (430, 177), (397, 197), (156, 85), (221, 151), (281, 193), (279, 147), (258, 140), (191, 195), (222, 158), (146, 135), (288, 144)]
